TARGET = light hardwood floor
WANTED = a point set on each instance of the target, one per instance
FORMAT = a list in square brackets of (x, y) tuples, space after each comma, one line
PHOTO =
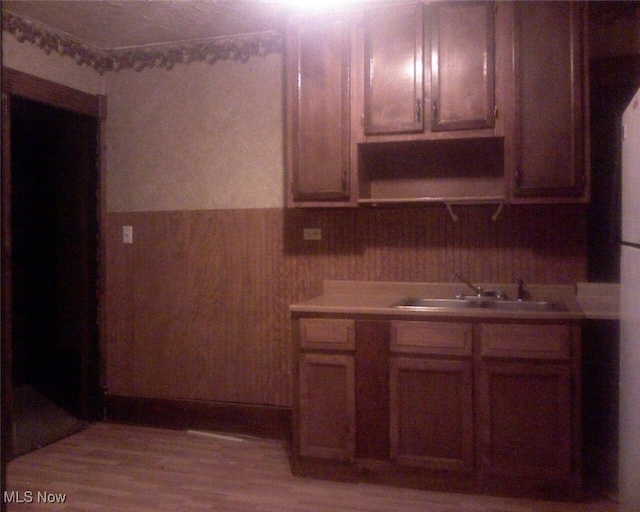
[(123, 468)]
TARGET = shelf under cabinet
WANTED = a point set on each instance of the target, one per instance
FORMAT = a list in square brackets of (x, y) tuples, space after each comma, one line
[(464, 170)]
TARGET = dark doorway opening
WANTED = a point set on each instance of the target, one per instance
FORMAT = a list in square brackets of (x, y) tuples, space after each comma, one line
[(54, 260), (614, 80)]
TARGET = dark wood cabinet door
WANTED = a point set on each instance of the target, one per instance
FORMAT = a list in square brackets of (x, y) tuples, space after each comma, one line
[(462, 65), (550, 121), (393, 69), (431, 413), (327, 423), (527, 418), (318, 111)]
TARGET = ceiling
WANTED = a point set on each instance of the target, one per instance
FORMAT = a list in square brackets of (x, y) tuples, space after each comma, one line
[(121, 24)]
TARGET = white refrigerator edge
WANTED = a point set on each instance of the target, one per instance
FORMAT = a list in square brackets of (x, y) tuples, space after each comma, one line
[(629, 420)]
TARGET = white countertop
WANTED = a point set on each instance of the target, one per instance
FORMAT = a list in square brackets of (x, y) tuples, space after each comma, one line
[(377, 298), (585, 300), (599, 301)]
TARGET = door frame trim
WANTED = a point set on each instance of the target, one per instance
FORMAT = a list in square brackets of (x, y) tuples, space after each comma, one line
[(19, 84)]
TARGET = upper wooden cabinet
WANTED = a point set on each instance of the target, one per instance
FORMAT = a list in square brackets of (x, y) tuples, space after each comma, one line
[(426, 93), (462, 65), (318, 158), (429, 69), (393, 92), (551, 121), (443, 101)]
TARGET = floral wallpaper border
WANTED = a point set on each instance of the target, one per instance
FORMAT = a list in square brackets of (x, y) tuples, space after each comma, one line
[(240, 48)]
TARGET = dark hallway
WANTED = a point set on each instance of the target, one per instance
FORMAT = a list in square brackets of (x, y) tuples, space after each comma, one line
[(54, 236)]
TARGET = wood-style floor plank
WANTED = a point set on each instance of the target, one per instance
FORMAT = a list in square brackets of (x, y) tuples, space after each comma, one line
[(125, 468)]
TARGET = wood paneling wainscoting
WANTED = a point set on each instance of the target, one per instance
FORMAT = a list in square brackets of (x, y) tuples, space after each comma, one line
[(197, 306)]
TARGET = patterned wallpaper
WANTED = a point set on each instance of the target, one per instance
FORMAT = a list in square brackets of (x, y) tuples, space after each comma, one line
[(28, 58), (196, 138)]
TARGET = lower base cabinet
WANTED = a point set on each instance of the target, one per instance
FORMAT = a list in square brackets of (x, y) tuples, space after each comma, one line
[(529, 400), (431, 413), (326, 415), (431, 395), (473, 406), (528, 422), (327, 406)]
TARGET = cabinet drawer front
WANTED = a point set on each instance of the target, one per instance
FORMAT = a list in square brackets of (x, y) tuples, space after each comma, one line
[(431, 338), (526, 341), (327, 333)]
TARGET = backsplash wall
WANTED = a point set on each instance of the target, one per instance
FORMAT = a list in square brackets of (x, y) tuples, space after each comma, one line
[(198, 305)]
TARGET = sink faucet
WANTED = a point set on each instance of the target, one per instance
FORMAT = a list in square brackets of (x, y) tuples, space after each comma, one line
[(523, 293), (476, 289)]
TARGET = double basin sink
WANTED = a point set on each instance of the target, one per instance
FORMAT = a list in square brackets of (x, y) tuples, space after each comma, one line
[(472, 302)]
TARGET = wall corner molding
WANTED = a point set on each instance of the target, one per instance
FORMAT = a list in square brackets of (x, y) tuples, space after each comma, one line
[(236, 48)]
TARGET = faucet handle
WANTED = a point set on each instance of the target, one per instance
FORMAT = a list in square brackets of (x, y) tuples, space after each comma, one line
[(477, 289), (523, 293)]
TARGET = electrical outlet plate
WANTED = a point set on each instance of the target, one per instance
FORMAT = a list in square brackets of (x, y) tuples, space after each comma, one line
[(312, 234)]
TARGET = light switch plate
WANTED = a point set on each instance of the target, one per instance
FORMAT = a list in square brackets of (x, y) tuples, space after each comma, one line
[(127, 234)]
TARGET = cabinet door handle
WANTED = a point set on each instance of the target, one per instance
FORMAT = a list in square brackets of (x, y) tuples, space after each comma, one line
[(344, 179), (418, 111), (435, 109)]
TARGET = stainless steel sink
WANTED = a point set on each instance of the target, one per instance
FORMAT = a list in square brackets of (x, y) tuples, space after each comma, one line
[(424, 303), (427, 304), (526, 305)]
